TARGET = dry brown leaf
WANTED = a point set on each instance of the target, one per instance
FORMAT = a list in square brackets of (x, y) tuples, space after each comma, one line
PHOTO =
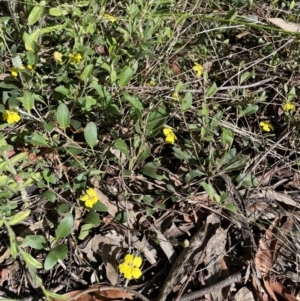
[(96, 295), (108, 248), (165, 244), (207, 66), (7, 77), (269, 287), (289, 26), (244, 294), (175, 68), (242, 34), (281, 290), (111, 208), (264, 259)]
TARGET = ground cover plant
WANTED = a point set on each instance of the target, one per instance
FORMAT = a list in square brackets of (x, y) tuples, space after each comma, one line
[(151, 145)]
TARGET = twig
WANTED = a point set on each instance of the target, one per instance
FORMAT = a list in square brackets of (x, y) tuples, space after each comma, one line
[(106, 288), (263, 157), (71, 273), (259, 83), (215, 287)]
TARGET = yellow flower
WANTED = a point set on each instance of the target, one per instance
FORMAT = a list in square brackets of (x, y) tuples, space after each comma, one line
[(151, 83), (131, 267), (170, 136), (176, 96), (57, 56), (75, 58), (289, 106), (110, 18), (11, 116), (29, 67), (15, 71), (90, 198), (266, 126), (198, 69)]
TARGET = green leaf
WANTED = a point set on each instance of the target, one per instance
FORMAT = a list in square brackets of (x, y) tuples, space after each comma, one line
[(135, 103), (245, 76), (230, 207), (231, 15), (182, 155), (85, 230), (99, 207), (236, 163), (121, 146), (30, 261), (204, 110), (155, 120), (144, 153), (63, 90), (31, 39), (12, 242), (122, 217), (92, 218), (209, 189), (247, 180), (49, 195), (87, 72), (251, 109), (187, 101), (65, 227), (59, 252), (17, 62), (63, 116), (211, 90), (28, 101), (58, 11), (38, 139), (150, 170), (125, 76), (36, 241), (227, 138), (36, 13), (52, 28), (19, 217), (91, 134)]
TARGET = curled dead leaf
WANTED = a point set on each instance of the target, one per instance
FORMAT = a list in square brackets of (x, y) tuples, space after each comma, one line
[(286, 25), (175, 68), (96, 293)]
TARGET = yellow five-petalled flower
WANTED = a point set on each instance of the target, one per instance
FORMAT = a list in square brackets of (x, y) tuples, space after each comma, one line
[(198, 69), (15, 71), (11, 116), (90, 198), (170, 136), (288, 106), (130, 268), (75, 58), (266, 126), (110, 18), (57, 56)]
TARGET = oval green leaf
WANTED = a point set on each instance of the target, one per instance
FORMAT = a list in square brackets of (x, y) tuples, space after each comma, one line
[(125, 76), (36, 13), (211, 90), (59, 252), (19, 217), (65, 227), (63, 116), (87, 72), (91, 134), (37, 242), (122, 146), (30, 261)]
